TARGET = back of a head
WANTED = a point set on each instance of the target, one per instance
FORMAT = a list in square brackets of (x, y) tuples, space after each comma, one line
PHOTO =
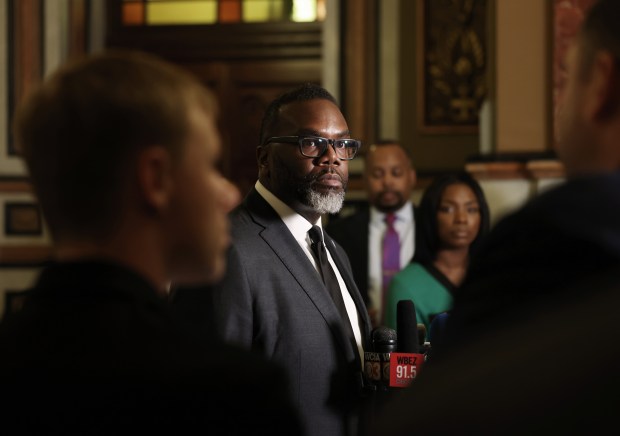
[(427, 235), (81, 130), (305, 92), (587, 140), (600, 27)]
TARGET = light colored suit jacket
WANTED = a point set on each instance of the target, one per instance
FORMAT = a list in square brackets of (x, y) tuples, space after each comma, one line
[(272, 300)]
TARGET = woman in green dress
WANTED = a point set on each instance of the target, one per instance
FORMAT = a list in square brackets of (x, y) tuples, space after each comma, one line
[(452, 219)]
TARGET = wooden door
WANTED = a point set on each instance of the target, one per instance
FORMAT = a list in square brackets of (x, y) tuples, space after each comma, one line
[(245, 64)]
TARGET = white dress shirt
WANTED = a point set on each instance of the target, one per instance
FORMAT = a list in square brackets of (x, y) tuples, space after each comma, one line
[(299, 227), (405, 227)]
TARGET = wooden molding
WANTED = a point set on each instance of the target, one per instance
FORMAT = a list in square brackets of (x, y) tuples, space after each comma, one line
[(15, 186), (544, 169), (534, 169), (231, 42), (25, 255), (497, 170)]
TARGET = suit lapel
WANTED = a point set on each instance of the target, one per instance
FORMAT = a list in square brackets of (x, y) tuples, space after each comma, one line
[(279, 238)]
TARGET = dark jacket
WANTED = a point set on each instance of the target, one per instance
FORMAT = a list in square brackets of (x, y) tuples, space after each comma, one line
[(272, 300), (95, 351), (561, 237)]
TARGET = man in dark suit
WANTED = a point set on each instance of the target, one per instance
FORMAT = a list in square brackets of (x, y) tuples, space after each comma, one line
[(531, 343), (122, 151), (272, 298), (390, 178)]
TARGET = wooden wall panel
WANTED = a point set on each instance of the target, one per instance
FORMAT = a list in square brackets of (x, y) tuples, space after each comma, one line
[(26, 46), (78, 28), (21, 245), (244, 89), (246, 65), (359, 101)]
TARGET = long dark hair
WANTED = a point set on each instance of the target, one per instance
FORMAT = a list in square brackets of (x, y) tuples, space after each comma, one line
[(427, 236)]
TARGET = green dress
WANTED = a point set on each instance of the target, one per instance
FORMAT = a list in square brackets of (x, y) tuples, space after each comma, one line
[(429, 289)]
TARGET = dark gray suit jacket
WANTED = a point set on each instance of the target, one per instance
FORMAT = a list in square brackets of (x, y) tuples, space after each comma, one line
[(273, 300)]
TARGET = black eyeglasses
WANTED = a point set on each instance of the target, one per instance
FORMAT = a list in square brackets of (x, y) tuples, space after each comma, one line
[(315, 146)]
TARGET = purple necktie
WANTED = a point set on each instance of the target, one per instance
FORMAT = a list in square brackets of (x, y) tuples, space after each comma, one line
[(391, 256)]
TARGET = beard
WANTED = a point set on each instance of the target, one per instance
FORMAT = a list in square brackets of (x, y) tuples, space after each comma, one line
[(302, 189), (387, 206), (321, 202), (331, 202)]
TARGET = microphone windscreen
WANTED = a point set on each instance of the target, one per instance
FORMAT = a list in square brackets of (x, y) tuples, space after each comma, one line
[(384, 340), (406, 327)]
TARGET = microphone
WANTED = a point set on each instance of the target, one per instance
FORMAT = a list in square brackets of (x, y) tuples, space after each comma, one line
[(384, 340), (407, 327), (407, 361), (393, 361), (377, 361)]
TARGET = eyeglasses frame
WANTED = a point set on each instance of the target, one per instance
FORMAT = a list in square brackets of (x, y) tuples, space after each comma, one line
[(297, 140)]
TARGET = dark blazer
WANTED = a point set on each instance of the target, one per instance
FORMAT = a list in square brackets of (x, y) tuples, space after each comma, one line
[(95, 351), (351, 232), (273, 300), (551, 368)]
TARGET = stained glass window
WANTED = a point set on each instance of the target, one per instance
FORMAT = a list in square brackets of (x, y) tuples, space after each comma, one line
[(178, 12)]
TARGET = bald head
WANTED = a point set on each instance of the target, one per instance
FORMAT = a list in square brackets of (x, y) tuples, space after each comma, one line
[(389, 175)]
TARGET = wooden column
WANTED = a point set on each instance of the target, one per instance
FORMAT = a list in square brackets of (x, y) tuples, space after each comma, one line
[(358, 67)]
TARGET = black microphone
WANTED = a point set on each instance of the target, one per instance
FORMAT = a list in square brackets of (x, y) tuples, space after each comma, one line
[(377, 361), (407, 360), (377, 375), (407, 327), (384, 340)]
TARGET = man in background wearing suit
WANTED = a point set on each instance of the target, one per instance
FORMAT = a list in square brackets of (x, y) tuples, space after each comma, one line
[(273, 298), (390, 178), (532, 343), (122, 151)]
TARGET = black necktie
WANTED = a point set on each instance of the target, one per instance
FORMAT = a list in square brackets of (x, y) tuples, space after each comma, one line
[(329, 277)]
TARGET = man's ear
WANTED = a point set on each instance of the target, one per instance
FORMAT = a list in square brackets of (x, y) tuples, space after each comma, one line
[(155, 176), (603, 88), (262, 157), (414, 177)]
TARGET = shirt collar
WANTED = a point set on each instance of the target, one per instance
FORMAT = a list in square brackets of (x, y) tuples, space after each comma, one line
[(296, 224)]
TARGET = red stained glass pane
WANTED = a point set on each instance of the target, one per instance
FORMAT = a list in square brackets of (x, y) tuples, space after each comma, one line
[(133, 14), (230, 11)]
